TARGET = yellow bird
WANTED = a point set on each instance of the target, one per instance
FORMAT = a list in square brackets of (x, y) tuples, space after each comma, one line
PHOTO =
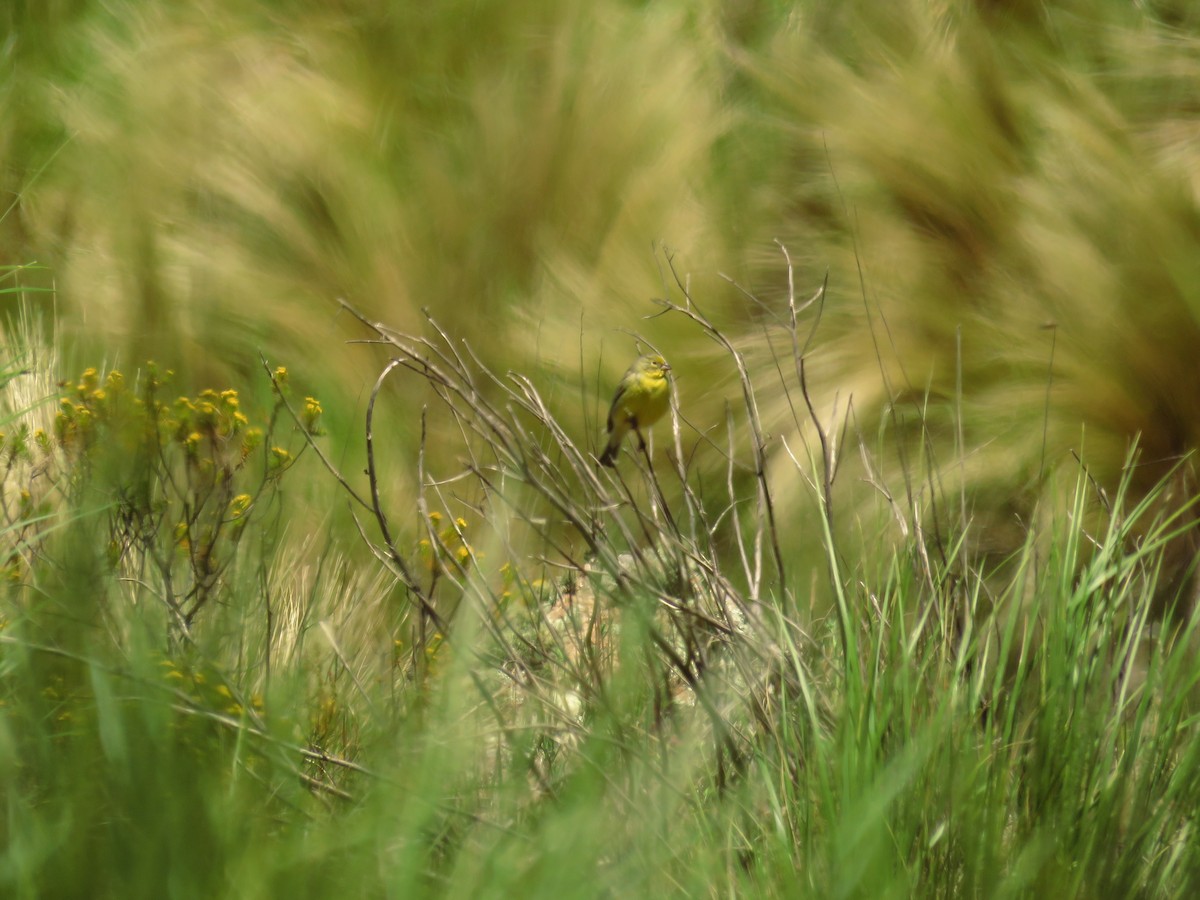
[(642, 397)]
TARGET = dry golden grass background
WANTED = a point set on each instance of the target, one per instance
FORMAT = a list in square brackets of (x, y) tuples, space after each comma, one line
[(1004, 197)]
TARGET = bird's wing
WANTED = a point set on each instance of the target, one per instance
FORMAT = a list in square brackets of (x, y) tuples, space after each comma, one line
[(616, 403)]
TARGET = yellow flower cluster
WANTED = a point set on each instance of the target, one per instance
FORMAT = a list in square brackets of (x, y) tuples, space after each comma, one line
[(84, 404), (448, 546), (206, 426), (208, 691), (189, 470), (201, 425), (311, 415), (211, 420), (515, 585)]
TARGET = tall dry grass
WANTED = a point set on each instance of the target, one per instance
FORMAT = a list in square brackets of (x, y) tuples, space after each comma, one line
[(1006, 201), (223, 174)]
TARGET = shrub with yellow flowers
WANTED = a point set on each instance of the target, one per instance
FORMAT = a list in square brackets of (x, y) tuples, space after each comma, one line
[(182, 475)]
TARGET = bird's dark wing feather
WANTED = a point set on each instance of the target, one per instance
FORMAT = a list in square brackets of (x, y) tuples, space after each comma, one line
[(616, 403)]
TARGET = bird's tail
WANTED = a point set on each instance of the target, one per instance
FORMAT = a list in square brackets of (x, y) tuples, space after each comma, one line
[(609, 456)]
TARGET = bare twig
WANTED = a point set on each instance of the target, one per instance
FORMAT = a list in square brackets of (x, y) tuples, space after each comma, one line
[(691, 311), (308, 438), (398, 562)]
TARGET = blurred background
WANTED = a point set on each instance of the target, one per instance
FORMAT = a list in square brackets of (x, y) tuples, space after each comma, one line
[(1003, 195)]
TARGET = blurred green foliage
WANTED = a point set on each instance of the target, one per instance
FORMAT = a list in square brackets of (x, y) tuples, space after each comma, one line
[(1004, 196), (567, 735)]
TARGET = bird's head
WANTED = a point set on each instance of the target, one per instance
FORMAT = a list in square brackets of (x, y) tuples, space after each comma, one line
[(654, 366)]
